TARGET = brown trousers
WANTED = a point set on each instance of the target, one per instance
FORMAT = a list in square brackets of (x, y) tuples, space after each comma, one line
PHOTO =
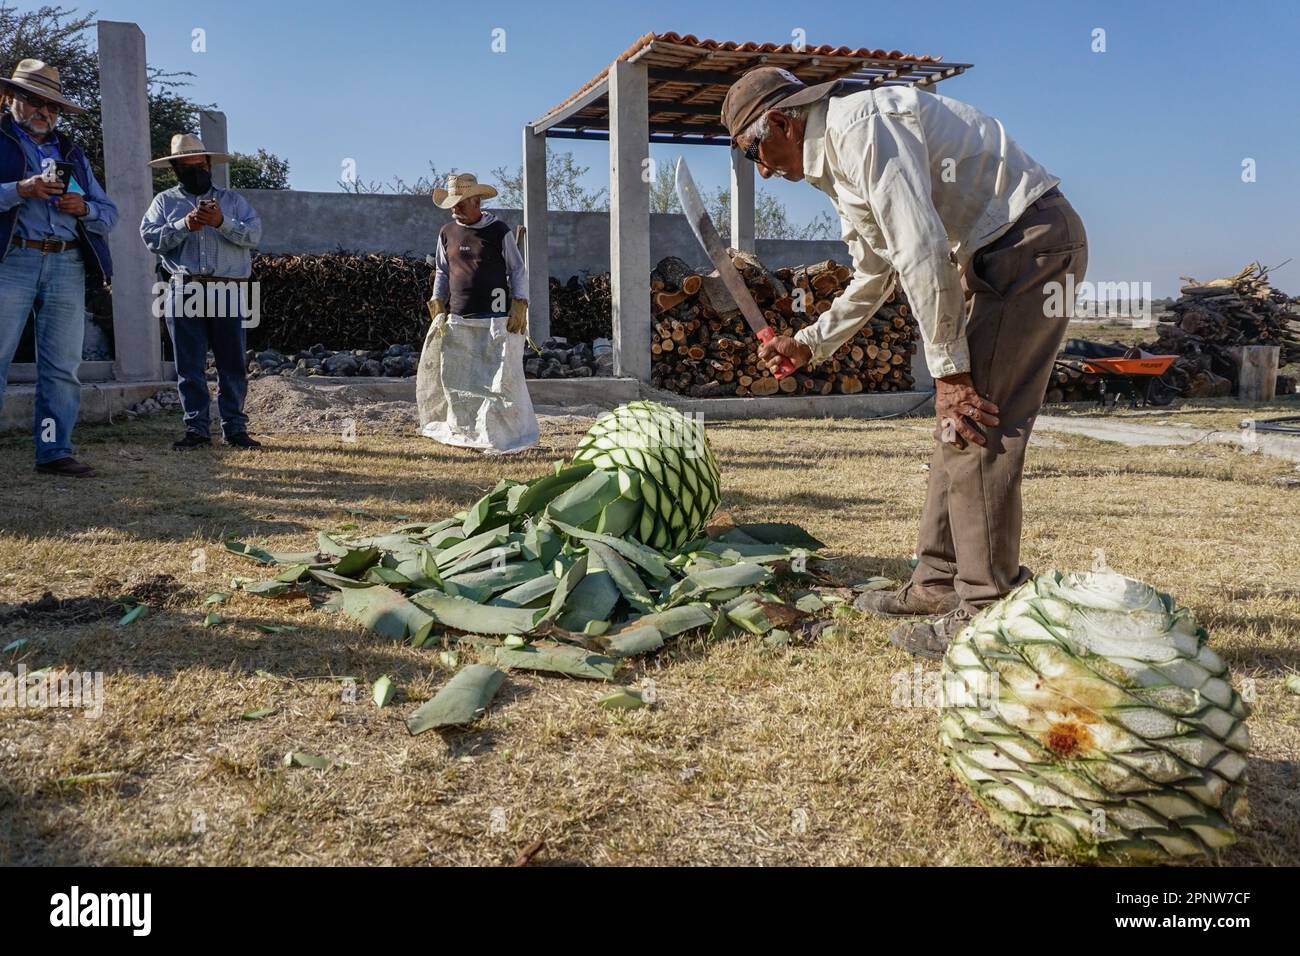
[(970, 528)]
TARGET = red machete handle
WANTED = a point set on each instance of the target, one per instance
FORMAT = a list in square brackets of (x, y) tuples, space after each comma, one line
[(787, 367)]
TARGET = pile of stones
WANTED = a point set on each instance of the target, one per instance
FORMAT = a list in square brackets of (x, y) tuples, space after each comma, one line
[(397, 361)]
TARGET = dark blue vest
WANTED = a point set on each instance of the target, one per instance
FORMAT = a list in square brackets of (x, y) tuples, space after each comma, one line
[(13, 167)]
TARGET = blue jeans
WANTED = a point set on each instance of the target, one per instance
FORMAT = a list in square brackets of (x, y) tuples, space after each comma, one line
[(54, 284), (192, 336)]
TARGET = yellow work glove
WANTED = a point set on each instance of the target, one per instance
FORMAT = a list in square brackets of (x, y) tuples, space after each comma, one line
[(518, 321), (436, 308)]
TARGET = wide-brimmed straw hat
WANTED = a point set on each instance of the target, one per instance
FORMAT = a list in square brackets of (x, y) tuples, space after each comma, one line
[(460, 186), (41, 79), (187, 144)]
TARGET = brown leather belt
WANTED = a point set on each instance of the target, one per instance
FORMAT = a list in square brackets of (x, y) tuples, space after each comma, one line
[(46, 245)]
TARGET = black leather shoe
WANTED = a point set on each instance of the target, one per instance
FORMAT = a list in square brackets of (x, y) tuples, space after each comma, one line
[(241, 440), (191, 440), (67, 467)]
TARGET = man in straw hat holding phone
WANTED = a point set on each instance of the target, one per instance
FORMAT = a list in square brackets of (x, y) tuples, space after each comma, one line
[(53, 219), (470, 387), (204, 237), (935, 195)]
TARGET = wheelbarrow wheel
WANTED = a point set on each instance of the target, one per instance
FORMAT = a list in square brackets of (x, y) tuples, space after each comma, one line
[(1160, 393)]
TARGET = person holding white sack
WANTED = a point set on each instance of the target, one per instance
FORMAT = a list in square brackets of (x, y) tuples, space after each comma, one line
[(470, 387)]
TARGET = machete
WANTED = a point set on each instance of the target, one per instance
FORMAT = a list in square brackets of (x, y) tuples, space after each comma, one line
[(704, 231)]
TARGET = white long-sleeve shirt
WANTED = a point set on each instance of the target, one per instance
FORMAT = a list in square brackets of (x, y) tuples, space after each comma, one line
[(509, 251), (920, 183)]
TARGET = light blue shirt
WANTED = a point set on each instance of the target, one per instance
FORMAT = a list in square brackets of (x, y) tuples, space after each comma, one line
[(223, 251), (40, 218)]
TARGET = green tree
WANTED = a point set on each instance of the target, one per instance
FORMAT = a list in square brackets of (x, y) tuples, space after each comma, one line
[(771, 218), (260, 171), (564, 189), (398, 186), (61, 37)]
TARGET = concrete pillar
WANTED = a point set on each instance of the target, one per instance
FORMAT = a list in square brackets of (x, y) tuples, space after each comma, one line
[(922, 380), (212, 130), (535, 241), (129, 182), (742, 202), (629, 217)]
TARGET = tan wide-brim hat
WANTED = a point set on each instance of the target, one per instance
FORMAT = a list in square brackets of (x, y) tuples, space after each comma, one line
[(187, 144), (41, 79), (460, 186)]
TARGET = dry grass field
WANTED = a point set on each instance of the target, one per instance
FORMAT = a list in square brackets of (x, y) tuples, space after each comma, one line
[(752, 755)]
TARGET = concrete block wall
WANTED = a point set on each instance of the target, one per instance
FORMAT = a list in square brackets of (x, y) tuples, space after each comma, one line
[(314, 222)]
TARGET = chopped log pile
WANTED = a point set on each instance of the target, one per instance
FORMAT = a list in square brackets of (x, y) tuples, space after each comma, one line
[(1211, 318), (581, 308), (1070, 383), (341, 299), (703, 348)]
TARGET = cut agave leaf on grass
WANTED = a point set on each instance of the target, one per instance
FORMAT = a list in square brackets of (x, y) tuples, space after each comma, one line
[(298, 758), (212, 619), (131, 616), (759, 617), (638, 554), (514, 640), (636, 641), (540, 543), (464, 615), (566, 584), (559, 659), (593, 599), (460, 701), (384, 611), (627, 581), (273, 589), (876, 584), (810, 603), (382, 691), (329, 546), (530, 592), (275, 628), (217, 597), (292, 574), (536, 495), (355, 562), (718, 579), (625, 698), (585, 501), (451, 555), (389, 576), (497, 556), (14, 645), (257, 714), (675, 620), (337, 580), (492, 580), (1293, 683)]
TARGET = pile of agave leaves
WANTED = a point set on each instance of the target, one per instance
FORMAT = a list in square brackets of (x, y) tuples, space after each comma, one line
[(520, 580)]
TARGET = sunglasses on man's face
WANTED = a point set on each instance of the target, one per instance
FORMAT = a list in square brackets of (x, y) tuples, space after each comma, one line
[(36, 103), (751, 151)]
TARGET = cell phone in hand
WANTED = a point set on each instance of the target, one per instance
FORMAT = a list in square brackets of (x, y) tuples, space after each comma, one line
[(63, 173)]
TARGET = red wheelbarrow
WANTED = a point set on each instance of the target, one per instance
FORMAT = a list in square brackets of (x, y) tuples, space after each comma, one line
[(1137, 375)]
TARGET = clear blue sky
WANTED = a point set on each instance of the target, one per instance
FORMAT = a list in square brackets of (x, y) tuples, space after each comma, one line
[(1148, 137)]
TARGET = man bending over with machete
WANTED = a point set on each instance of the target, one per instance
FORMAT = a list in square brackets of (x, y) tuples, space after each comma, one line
[(933, 193)]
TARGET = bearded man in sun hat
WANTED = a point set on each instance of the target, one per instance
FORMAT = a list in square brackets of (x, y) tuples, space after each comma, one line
[(934, 195), (470, 386), (54, 216)]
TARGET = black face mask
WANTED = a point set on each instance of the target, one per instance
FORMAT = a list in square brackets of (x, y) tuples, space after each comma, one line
[(196, 179)]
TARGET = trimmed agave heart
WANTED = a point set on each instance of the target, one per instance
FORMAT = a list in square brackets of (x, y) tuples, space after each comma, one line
[(1087, 713), (668, 482)]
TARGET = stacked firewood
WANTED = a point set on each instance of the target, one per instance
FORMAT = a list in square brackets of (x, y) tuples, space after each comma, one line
[(703, 348), (1212, 317), (581, 308), (1070, 383)]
